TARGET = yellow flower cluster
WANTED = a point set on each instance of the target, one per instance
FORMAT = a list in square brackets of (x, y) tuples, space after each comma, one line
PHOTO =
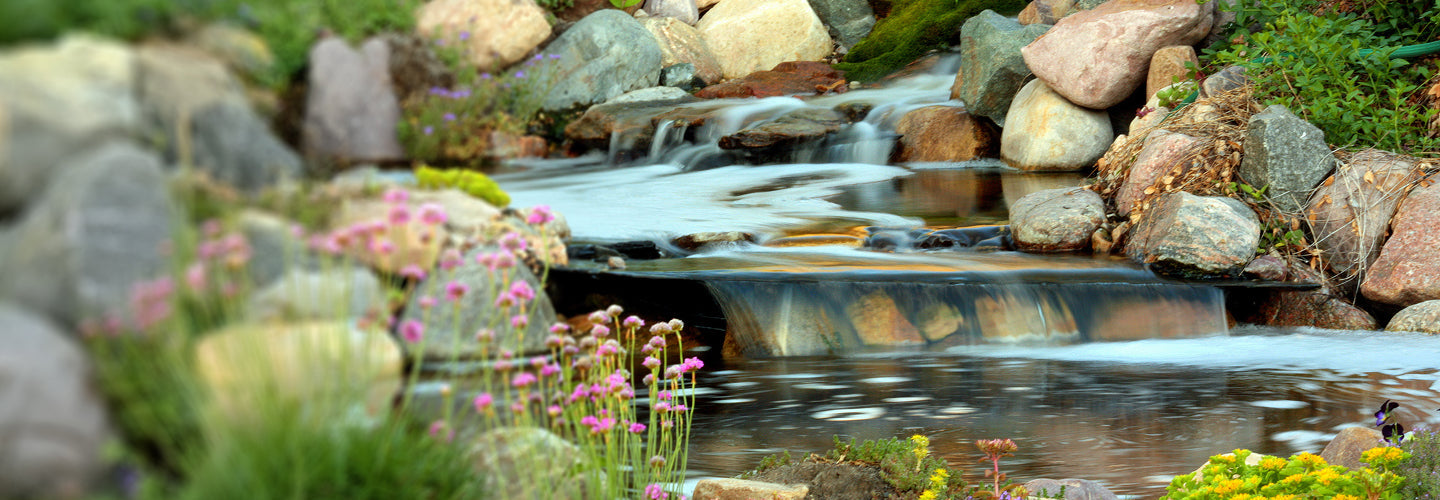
[(1384, 456)]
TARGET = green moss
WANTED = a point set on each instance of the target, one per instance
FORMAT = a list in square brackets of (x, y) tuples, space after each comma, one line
[(475, 183), (913, 28)]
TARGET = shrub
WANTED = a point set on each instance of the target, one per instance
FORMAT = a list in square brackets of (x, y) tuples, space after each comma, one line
[(1422, 470), (1320, 64)]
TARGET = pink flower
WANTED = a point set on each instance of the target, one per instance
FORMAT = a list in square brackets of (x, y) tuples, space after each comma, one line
[(504, 261), (396, 195), (654, 491), (691, 364), (505, 300), (559, 328), (522, 291), (512, 242), (678, 408), (454, 290), (614, 311), (660, 329), (484, 335), (486, 259), (554, 410), (664, 395), (633, 322), (549, 370), (413, 271), (524, 379), (598, 317), (432, 214), (427, 302), (649, 379), (581, 392), (381, 246), (195, 276), (606, 349), (662, 407), (399, 215), (412, 330), (651, 362), (483, 402), (600, 331), (539, 215), (519, 320), (637, 427), (210, 228), (439, 427), (450, 259), (657, 461)]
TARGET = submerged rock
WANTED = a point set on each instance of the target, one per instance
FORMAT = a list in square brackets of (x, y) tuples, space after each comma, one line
[(1056, 220), (1187, 234), (1408, 269), (1317, 309), (623, 125), (1421, 317), (1097, 58), (1286, 153)]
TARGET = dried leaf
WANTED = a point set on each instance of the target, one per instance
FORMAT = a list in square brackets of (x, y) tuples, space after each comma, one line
[(1329, 180), (1370, 176), (1150, 190), (1294, 224), (1167, 180)]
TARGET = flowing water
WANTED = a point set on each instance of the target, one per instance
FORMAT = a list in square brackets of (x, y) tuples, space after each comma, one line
[(1096, 367)]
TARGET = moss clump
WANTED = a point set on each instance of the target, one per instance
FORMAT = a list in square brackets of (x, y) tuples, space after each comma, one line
[(913, 28), (474, 183)]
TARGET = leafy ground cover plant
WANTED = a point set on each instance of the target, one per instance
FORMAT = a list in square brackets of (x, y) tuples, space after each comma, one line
[(908, 467), (1330, 63)]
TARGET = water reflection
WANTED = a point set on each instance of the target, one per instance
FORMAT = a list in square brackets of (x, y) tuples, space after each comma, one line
[(1098, 411)]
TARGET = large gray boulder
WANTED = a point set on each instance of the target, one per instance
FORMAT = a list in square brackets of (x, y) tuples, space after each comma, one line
[(450, 325), (1286, 153), (1195, 235), (849, 21), (56, 100), (233, 145), (1056, 220), (95, 232), (1045, 132), (351, 111), (53, 425), (606, 54), (991, 69)]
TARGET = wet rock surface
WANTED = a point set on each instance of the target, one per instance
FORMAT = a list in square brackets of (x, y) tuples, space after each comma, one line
[(1056, 220), (787, 78)]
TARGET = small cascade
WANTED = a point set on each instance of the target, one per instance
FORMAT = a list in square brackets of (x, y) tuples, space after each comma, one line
[(804, 318)]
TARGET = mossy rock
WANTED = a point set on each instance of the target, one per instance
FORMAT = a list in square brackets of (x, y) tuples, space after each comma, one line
[(913, 28), (471, 182)]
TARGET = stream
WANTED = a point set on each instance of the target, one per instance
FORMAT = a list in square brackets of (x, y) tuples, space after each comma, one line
[(1097, 368)]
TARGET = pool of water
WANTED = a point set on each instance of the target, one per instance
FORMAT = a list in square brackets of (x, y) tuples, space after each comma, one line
[(1128, 414)]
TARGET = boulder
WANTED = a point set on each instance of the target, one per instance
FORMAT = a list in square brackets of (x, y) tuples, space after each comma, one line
[(1045, 132), (631, 124), (173, 83), (710, 240), (1286, 153), (991, 69), (1056, 220), (242, 50), (351, 111), (54, 426), (1421, 317), (1317, 309), (1345, 449), (1051, 11), (450, 325), (1195, 235), (1351, 209), (1075, 489), (848, 20), (1225, 80), (684, 11), (681, 43), (1162, 152), (1168, 66), (945, 133), (752, 35), (742, 489), (787, 78), (233, 145), (1408, 269), (1267, 267), (606, 54), (1096, 58), (778, 137), (94, 233), (247, 366), (526, 462), (276, 247), (57, 100), (681, 76), (330, 294), (1029, 15), (491, 33)]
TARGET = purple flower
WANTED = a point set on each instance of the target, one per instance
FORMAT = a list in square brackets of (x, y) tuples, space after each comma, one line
[(520, 74), (485, 76), (464, 35), (554, 56), (429, 130), (449, 117), (412, 330), (439, 91)]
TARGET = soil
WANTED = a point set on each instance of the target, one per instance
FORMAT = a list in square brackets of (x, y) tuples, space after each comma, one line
[(828, 481)]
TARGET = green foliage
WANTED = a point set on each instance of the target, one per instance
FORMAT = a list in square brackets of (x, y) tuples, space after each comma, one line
[(622, 4), (1422, 470), (1334, 68), (1301, 476), (151, 386), (905, 464), (555, 5), (452, 126), (770, 462), (475, 183), (126, 19), (282, 459), (913, 28)]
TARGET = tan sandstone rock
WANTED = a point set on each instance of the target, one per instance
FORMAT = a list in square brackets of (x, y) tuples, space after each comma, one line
[(945, 133), (755, 35), (494, 33), (682, 43)]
